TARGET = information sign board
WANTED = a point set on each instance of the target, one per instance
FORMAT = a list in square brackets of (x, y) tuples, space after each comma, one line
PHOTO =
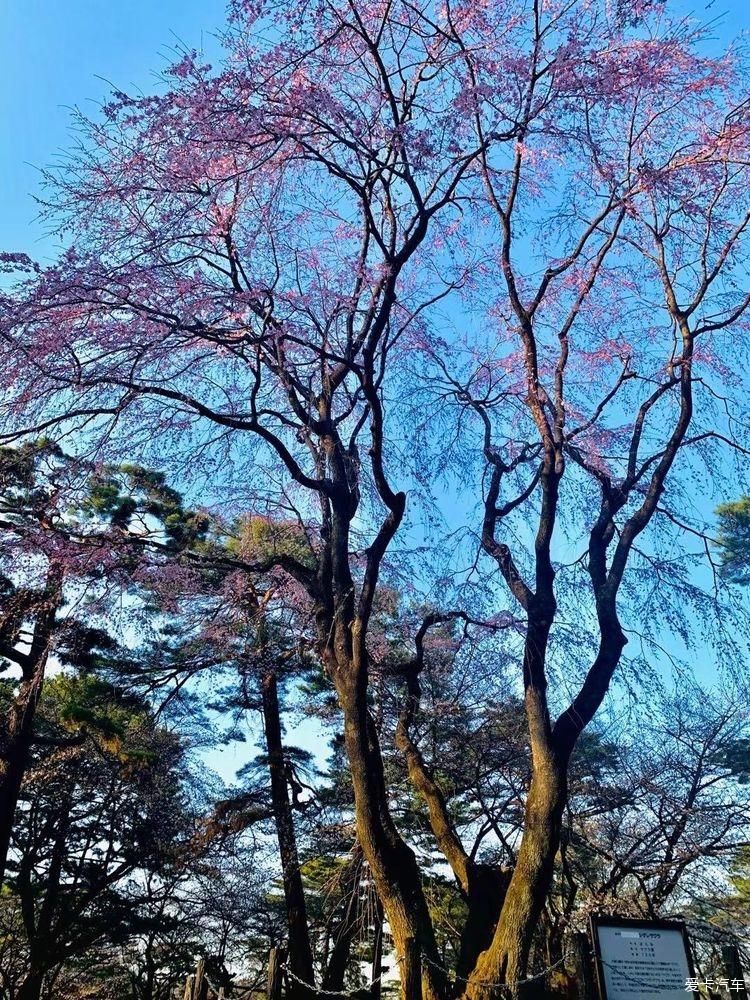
[(641, 960)]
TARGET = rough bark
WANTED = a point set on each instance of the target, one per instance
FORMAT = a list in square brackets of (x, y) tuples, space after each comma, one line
[(488, 887), (300, 951), (342, 624), (578, 963), (17, 735), (483, 886), (506, 959), (392, 862)]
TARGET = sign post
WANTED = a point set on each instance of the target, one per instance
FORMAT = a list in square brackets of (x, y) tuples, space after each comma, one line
[(641, 959)]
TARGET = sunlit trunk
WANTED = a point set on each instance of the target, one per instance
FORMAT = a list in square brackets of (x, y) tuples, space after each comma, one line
[(392, 862), (506, 959)]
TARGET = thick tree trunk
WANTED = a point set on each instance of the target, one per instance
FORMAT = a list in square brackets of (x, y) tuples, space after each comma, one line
[(506, 959), (487, 888), (300, 951), (483, 886), (392, 863)]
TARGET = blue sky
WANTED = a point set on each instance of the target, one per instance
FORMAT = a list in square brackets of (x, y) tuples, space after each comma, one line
[(55, 54)]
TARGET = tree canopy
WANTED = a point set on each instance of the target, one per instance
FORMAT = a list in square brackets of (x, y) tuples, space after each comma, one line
[(438, 314)]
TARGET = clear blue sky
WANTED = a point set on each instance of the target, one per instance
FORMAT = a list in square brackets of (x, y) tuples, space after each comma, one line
[(58, 53)]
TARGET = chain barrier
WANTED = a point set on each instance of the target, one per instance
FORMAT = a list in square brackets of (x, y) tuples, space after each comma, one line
[(249, 990), (490, 984), (452, 978), (337, 993)]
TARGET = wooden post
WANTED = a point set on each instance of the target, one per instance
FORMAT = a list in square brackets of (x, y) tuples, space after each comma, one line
[(578, 964), (200, 985), (273, 983), (730, 960), (412, 980)]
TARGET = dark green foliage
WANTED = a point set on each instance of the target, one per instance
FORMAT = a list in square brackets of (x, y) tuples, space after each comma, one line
[(733, 539), (734, 757), (102, 806), (120, 493)]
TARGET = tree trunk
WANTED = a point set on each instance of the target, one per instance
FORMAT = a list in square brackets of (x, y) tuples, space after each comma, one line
[(506, 959), (376, 988), (487, 886), (274, 980), (483, 886), (31, 987), (17, 734), (392, 862), (300, 951), (333, 981), (336, 965), (16, 745), (578, 963)]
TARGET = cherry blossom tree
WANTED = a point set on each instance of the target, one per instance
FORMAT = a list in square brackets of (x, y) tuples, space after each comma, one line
[(533, 212), (612, 357)]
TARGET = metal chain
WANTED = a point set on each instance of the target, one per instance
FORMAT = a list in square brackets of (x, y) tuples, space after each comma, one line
[(456, 978), (497, 985), (233, 987), (483, 982), (336, 993)]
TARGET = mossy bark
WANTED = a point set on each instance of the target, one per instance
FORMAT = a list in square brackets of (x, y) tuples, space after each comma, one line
[(392, 863), (506, 958)]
